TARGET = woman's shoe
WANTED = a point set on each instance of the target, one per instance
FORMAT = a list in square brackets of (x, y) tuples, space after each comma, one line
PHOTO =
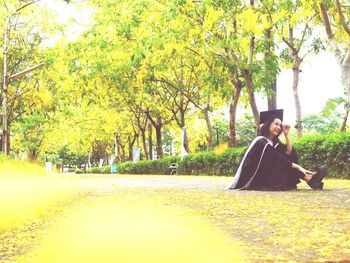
[(316, 185), (320, 174), (316, 180)]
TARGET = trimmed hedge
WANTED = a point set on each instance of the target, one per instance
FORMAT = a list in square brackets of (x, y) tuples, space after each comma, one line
[(95, 170), (210, 163), (160, 166), (330, 150)]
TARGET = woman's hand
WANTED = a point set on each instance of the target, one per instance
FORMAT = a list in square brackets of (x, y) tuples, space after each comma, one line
[(285, 129), (307, 174)]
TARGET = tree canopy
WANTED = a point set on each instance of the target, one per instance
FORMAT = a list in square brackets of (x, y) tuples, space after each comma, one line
[(143, 69)]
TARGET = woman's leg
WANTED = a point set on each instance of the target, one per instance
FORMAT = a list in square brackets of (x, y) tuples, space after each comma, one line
[(294, 176)]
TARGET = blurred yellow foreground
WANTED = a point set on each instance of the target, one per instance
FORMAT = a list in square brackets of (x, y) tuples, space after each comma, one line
[(114, 226), (27, 192)]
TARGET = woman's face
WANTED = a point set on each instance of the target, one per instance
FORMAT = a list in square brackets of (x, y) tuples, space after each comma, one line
[(275, 127)]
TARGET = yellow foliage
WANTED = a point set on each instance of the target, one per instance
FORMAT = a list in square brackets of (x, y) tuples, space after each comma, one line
[(211, 18), (220, 149), (194, 32), (277, 16), (244, 44), (295, 19), (250, 22), (46, 98)]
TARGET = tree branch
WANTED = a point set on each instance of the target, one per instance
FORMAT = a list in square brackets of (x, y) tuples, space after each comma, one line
[(251, 49), (196, 52), (341, 18), (326, 21), (302, 38), (150, 118), (327, 24), (25, 5), (288, 44)]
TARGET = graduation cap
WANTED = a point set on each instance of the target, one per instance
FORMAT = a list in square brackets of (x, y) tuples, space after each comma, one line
[(271, 114)]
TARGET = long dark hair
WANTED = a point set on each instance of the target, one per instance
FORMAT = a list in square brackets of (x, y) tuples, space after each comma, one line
[(264, 130)]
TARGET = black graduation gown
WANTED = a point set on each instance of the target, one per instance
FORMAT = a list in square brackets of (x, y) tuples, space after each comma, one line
[(266, 167)]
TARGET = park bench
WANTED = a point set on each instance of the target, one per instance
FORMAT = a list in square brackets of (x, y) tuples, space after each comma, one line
[(173, 168)]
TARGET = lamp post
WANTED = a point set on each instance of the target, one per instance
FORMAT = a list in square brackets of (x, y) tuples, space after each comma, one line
[(5, 82), (6, 79), (4, 135)]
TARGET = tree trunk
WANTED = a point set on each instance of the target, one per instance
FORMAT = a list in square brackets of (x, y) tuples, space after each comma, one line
[(130, 152), (120, 147), (249, 81), (150, 143), (33, 156), (270, 50), (143, 135), (343, 62), (159, 141), (233, 109), (272, 101), (89, 160), (157, 124), (116, 148), (252, 102), (123, 157), (131, 145), (183, 124), (205, 113), (130, 148), (296, 72), (8, 141), (346, 79), (345, 119)]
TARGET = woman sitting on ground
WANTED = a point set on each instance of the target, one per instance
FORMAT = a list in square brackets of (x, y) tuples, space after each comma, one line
[(270, 165)]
